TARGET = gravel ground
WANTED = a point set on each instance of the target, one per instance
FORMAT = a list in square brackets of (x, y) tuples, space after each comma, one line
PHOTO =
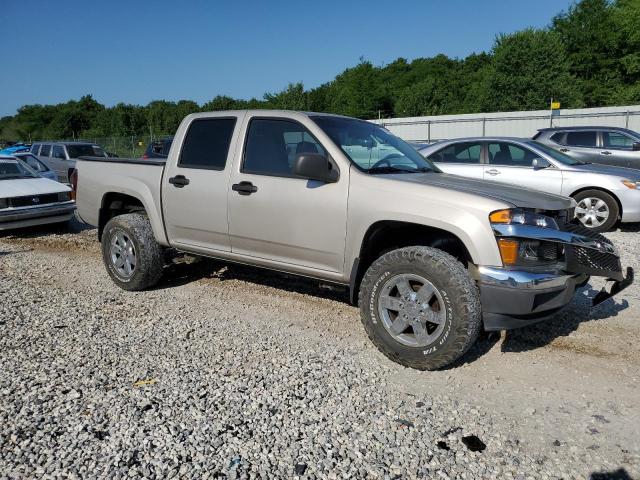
[(240, 373)]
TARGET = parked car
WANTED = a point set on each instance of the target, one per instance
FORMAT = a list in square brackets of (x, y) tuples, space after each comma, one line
[(605, 145), (16, 148), (158, 148), (431, 258), (61, 156), (27, 199), (37, 165), (604, 194)]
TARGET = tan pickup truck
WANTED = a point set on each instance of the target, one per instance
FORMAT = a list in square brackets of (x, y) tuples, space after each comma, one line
[(430, 258)]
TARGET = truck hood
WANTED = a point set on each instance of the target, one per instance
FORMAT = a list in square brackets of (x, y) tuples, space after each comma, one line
[(21, 187), (517, 196), (621, 172)]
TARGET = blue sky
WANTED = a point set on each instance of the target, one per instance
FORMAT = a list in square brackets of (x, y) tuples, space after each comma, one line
[(137, 51)]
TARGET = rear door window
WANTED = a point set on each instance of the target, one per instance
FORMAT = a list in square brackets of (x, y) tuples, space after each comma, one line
[(45, 151), (583, 138), (206, 144), (468, 152)]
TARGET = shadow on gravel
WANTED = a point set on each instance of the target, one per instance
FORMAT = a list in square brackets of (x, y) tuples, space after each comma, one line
[(181, 272), (629, 227), (577, 312), (620, 474), (72, 226)]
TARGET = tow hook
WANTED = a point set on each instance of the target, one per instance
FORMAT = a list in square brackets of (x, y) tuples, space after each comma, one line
[(616, 288)]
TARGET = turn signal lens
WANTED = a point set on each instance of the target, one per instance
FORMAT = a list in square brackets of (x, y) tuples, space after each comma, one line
[(500, 216), (630, 184), (508, 251)]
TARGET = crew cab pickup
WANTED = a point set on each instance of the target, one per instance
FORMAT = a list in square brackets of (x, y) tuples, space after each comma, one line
[(430, 258)]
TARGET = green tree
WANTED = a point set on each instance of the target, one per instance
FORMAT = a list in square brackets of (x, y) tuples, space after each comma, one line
[(528, 69)]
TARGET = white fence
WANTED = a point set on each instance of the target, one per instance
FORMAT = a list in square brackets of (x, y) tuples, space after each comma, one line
[(511, 124)]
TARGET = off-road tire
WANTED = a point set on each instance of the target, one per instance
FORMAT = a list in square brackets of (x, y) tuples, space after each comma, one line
[(612, 204), (149, 254), (460, 294)]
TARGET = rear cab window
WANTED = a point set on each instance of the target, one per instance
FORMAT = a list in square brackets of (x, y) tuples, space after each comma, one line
[(206, 144)]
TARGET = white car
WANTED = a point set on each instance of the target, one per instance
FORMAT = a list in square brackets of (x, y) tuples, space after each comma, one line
[(604, 194), (27, 199)]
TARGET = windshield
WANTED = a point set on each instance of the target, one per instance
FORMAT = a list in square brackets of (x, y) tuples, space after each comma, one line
[(33, 162), (76, 151), (12, 169), (555, 154), (372, 148)]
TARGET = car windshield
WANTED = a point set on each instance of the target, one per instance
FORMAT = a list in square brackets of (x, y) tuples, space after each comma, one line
[(12, 169), (76, 151), (555, 154), (33, 162), (372, 148)]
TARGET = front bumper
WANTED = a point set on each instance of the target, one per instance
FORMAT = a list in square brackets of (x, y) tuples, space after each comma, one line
[(40, 215), (513, 298), (517, 298)]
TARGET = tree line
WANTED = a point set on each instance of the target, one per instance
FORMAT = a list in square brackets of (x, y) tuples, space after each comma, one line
[(588, 56)]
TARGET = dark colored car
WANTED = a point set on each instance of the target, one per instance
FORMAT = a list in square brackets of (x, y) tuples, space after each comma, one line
[(158, 148), (605, 145)]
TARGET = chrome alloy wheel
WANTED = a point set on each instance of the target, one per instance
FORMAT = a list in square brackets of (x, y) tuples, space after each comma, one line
[(592, 212), (122, 254), (412, 310)]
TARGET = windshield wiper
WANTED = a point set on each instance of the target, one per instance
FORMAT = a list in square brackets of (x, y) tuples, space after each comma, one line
[(391, 169)]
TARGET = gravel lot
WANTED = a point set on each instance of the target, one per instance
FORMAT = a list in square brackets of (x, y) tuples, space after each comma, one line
[(235, 372)]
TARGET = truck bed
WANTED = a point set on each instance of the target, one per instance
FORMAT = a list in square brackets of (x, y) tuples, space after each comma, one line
[(136, 177)]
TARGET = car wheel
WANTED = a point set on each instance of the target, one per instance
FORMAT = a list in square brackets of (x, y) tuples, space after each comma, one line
[(596, 210), (420, 307), (130, 252)]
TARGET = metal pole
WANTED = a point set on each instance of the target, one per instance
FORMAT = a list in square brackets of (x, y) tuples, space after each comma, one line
[(429, 131), (484, 127), (626, 123)]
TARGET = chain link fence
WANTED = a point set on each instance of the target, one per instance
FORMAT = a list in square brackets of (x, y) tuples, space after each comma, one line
[(131, 146)]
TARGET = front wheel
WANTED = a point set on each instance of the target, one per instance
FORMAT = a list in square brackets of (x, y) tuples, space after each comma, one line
[(596, 210), (130, 252), (420, 307)]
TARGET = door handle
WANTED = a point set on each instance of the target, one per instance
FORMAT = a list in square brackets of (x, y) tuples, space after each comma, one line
[(244, 188), (493, 172), (606, 152), (564, 149), (179, 181)]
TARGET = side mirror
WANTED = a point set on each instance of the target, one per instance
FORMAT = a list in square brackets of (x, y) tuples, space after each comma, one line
[(315, 167), (635, 146), (540, 163)]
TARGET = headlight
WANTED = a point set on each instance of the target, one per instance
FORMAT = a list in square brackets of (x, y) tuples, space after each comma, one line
[(4, 203), (64, 196), (524, 252), (630, 184), (518, 216)]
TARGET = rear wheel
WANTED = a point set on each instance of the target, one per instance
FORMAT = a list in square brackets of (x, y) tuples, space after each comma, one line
[(130, 252), (596, 210), (420, 307)]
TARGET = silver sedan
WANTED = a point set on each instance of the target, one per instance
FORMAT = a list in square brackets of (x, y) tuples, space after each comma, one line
[(604, 194)]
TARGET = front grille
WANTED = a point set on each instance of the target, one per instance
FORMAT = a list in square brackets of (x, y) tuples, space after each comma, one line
[(33, 200), (588, 260)]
